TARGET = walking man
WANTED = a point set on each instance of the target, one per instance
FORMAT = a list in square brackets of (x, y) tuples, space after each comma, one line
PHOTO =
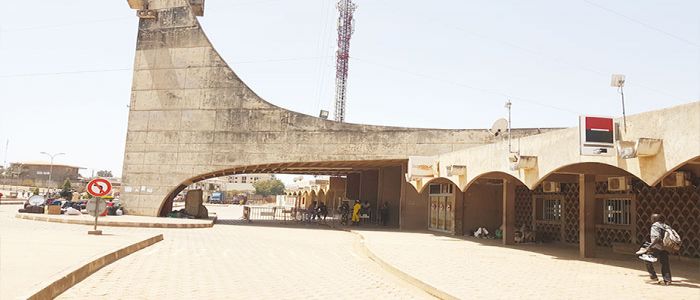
[(654, 250)]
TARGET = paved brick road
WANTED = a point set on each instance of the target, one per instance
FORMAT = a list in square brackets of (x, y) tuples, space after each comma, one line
[(33, 252), (470, 270), (246, 262)]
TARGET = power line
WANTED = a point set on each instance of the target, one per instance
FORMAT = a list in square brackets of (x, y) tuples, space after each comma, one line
[(483, 90), (129, 69), (280, 60), (66, 24), (548, 58), (643, 24), (557, 60), (63, 73)]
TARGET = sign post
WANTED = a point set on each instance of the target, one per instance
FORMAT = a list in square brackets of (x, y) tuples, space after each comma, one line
[(97, 187)]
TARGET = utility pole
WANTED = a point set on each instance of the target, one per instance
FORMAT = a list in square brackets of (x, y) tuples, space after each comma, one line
[(52, 156), (7, 145), (345, 30)]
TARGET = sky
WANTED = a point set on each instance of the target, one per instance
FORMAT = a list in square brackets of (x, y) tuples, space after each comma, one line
[(65, 67)]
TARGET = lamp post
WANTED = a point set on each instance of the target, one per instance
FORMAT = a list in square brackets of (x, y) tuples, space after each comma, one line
[(52, 156)]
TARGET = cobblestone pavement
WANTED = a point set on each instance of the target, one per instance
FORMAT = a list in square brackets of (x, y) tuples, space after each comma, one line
[(469, 269), (246, 262), (33, 252)]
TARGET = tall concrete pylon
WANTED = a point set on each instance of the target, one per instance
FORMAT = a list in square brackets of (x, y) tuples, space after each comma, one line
[(191, 118)]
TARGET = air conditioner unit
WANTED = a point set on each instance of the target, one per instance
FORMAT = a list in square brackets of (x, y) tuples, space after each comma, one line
[(551, 187), (676, 179), (618, 184)]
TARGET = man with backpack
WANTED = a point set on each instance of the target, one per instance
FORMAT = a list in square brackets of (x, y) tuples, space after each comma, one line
[(662, 240)]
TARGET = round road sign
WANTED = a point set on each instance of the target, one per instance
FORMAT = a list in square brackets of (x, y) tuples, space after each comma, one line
[(99, 187), (96, 206)]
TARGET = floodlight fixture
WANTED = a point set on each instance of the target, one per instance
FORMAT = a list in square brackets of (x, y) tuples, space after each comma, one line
[(618, 81), (323, 114)]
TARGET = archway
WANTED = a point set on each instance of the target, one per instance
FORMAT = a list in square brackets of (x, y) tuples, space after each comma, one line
[(328, 168), (616, 204), (444, 201), (490, 202)]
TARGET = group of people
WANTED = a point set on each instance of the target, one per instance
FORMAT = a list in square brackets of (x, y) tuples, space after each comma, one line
[(360, 210), (317, 210)]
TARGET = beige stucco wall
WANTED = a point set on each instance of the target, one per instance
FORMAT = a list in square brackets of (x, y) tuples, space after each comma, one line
[(678, 127), (190, 114)]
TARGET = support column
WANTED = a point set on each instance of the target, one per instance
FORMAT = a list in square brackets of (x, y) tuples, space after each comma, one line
[(352, 187), (508, 212), (586, 218)]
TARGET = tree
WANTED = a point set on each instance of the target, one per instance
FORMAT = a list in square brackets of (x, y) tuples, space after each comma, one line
[(104, 173), (67, 191), (269, 187)]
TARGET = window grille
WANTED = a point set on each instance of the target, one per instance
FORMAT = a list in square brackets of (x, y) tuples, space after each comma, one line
[(440, 189), (617, 211), (551, 209)]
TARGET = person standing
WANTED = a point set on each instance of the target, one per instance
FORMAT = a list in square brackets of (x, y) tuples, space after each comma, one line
[(356, 213), (322, 211), (654, 250), (384, 213)]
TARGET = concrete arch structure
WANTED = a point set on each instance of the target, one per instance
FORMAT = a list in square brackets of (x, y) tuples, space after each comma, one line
[(191, 114), (422, 188), (492, 175), (692, 165)]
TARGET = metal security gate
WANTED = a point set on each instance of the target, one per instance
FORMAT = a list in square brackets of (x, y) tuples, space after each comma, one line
[(442, 202)]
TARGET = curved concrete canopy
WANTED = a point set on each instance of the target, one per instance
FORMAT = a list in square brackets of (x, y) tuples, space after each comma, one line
[(190, 114), (678, 127)]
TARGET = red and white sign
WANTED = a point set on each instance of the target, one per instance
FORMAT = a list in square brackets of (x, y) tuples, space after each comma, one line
[(99, 187), (597, 135)]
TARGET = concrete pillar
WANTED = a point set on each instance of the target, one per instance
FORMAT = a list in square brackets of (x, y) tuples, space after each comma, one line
[(459, 212), (352, 190), (369, 187), (586, 216), (390, 191), (508, 212)]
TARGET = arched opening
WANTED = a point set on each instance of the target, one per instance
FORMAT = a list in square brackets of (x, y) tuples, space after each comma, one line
[(490, 204), (598, 206), (333, 182), (443, 198)]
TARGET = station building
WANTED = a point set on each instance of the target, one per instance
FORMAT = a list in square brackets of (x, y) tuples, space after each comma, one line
[(192, 118)]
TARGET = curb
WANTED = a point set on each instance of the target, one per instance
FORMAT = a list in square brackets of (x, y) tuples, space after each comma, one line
[(41, 217), (68, 280), (433, 291), (11, 202)]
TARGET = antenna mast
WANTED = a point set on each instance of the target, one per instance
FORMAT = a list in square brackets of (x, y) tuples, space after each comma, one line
[(345, 30)]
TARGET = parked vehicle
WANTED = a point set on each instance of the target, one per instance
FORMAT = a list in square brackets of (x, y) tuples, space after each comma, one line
[(217, 198)]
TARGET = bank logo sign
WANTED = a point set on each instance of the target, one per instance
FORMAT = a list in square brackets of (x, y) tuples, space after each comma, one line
[(597, 136)]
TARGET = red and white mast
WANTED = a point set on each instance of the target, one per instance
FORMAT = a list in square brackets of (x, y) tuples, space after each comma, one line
[(345, 30)]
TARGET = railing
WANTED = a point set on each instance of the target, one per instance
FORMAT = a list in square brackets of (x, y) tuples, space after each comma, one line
[(278, 214)]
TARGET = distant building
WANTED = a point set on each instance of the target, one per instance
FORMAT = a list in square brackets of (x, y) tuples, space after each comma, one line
[(37, 173), (249, 178)]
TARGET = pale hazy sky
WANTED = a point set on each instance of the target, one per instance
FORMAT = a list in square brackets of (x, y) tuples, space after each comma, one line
[(65, 65)]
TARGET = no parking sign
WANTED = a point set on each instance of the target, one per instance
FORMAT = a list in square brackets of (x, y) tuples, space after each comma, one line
[(99, 187)]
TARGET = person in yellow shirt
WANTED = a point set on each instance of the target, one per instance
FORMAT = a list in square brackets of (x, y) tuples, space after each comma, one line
[(356, 213)]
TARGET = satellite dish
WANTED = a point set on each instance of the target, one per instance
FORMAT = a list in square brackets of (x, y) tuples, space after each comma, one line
[(37, 200), (499, 127)]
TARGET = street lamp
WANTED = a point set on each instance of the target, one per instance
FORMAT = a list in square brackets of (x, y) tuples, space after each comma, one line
[(51, 166)]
